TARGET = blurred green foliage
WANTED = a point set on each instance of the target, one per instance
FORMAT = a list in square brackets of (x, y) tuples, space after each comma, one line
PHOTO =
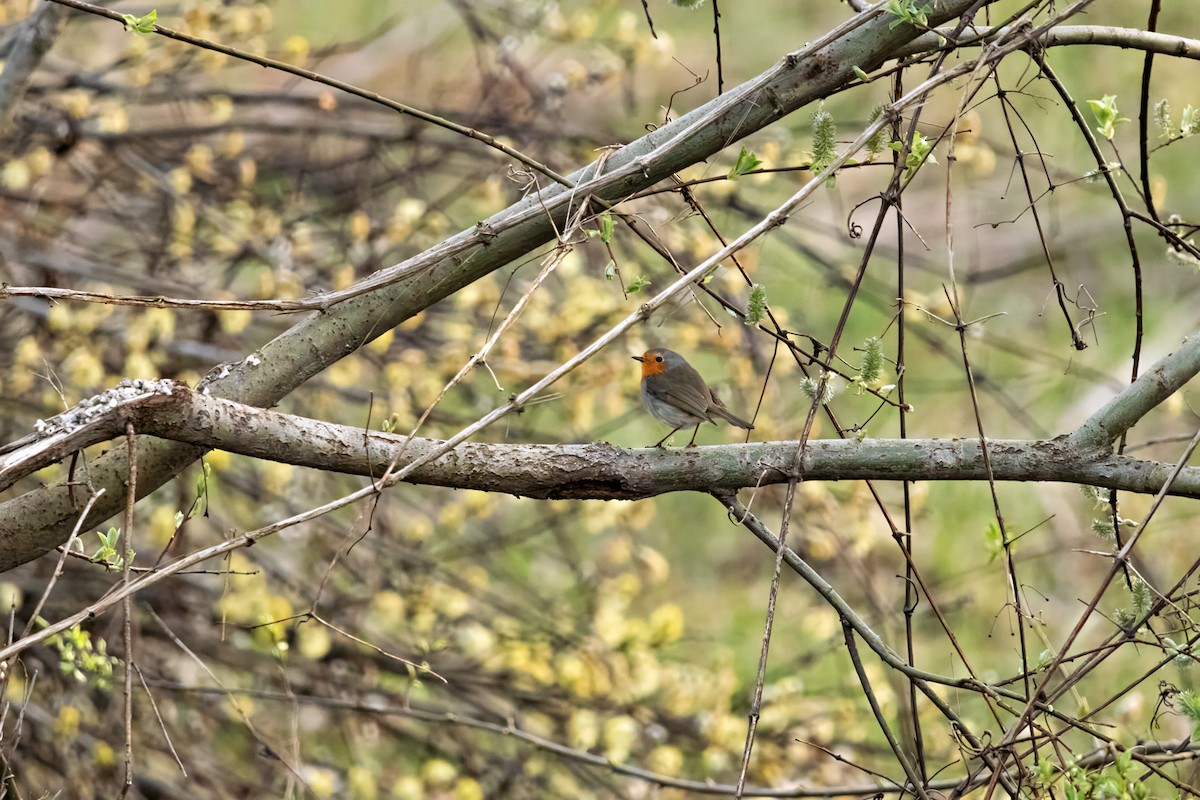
[(629, 631)]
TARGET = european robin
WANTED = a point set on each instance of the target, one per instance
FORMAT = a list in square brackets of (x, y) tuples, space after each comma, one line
[(674, 392)]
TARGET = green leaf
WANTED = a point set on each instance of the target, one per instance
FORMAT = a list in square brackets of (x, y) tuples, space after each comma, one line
[(908, 11), (606, 227), (862, 75), (144, 24), (610, 270), (202, 480), (993, 540), (746, 162), (1045, 772), (920, 152), (1105, 112), (637, 284)]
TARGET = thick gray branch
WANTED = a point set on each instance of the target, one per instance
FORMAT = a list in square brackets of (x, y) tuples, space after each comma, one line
[(23, 53), (1153, 386), (173, 412), (584, 471)]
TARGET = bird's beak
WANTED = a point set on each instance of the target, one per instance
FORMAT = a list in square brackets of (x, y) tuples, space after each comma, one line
[(638, 358)]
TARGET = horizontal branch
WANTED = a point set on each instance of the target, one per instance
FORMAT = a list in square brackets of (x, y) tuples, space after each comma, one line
[(1070, 35), (597, 471), (171, 411), (149, 301)]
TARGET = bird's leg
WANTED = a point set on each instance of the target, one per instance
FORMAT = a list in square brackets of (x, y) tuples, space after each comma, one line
[(692, 443), (668, 436)]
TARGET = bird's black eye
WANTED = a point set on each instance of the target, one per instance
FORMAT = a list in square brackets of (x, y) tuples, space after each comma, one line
[(658, 358)]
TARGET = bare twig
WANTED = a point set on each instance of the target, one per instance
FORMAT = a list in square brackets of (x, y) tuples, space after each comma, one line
[(58, 568), (162, 725), (316, 77), (127, 603), (914, 779), (292, 767)]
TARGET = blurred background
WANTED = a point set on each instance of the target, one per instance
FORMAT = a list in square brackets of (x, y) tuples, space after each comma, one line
[(631, 631)]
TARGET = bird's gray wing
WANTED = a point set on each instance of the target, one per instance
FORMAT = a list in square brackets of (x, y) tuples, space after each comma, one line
[(687, 394)]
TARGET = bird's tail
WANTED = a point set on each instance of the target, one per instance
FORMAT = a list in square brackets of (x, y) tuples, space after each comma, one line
[(718, 408)]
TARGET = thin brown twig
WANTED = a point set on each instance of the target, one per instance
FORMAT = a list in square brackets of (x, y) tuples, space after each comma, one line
[(903, 539), (14, 737), (1144, 115), (1042, 689), (418, 669), (161, 724), (1060, 291), (58, 568), (292, 767), (509, 730), (1010, 566), (914, 778), (127, 603), (317, 77), (846, 612), (716, 13)]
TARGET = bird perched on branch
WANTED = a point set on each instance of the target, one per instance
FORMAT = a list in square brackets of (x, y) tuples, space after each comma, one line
[(674, 393)]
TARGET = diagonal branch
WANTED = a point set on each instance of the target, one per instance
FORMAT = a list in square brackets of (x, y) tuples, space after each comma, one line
[(1150, 388)]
